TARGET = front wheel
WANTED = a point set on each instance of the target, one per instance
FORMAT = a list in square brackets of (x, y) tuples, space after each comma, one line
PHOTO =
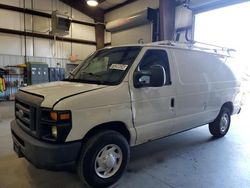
[(104, 159), (221, 124)]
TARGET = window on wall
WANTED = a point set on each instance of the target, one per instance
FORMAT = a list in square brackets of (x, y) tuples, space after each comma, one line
[(227, 27)]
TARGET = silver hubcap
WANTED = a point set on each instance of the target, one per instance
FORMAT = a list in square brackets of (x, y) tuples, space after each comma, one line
[(224, 123), (108, 161)]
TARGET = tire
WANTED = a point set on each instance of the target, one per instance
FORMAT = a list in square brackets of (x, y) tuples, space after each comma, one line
[(221, 124), (101, 154)]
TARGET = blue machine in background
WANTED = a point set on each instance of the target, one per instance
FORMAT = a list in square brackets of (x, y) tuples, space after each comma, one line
[(56, 74)]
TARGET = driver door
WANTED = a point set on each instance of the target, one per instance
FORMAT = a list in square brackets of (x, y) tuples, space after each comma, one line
[(153, 107)]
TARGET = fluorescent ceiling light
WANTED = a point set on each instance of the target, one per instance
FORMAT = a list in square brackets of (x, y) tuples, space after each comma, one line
[(92, 3)]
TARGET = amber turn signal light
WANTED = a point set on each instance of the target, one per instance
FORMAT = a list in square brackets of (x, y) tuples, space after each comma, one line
[(64, 116), (59, 116), (53, 116)]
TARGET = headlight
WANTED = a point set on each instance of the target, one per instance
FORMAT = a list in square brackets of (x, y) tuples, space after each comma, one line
[(55, 124)]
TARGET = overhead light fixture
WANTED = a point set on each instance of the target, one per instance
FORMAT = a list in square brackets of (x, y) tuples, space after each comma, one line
[(92, 3)]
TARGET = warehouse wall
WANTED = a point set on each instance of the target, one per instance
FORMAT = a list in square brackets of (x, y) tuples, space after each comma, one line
[(38, 48), (133, 35)]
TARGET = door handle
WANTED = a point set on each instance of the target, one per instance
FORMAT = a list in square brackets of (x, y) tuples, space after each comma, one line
[(172, 103)]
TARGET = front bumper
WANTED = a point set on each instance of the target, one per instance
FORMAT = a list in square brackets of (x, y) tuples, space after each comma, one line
[(42, 154)]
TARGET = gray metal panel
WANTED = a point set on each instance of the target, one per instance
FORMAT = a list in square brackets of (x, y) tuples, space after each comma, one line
[(37, 73)]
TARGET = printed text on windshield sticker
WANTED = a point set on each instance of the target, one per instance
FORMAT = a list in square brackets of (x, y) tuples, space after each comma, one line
[(118, 67)]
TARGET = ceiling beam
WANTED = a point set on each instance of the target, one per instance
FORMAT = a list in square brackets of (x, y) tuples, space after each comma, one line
[(94, 12), (38, 13), (207, 6), (101, 1), (119, 5)]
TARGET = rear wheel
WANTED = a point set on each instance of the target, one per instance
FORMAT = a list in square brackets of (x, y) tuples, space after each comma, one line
[(103, 159), (221, 124)]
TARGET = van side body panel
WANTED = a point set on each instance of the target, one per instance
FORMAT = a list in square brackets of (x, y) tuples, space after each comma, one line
[(205, 83)]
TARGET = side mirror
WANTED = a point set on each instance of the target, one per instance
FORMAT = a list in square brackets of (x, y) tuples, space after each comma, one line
[(154, 77)]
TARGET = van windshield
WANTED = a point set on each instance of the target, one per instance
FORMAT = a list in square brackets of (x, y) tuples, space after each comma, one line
[(107, 66)]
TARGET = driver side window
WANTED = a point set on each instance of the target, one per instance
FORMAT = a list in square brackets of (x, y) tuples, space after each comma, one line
[(156, 58)]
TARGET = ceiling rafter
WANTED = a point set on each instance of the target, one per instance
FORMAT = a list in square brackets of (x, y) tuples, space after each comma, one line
[(94, 12), (119, 5)]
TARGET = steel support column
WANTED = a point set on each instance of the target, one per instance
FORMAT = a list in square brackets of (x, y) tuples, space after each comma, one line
[(167, 19), (99, 34)]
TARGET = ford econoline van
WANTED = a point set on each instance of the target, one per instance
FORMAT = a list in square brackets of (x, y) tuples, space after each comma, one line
[(120, 97)]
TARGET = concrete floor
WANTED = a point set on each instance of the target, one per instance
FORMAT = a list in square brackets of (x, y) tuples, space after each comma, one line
[(190, 159)]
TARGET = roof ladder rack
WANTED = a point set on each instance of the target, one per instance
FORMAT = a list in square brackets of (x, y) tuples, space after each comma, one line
[(197, 45)]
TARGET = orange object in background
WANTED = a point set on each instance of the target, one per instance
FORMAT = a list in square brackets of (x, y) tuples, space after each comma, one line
[(4, 85)]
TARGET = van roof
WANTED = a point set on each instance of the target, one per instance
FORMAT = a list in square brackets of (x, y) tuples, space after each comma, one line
[(192, 45)]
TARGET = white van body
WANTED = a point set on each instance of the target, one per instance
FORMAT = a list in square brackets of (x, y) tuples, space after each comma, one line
[(201, 84)]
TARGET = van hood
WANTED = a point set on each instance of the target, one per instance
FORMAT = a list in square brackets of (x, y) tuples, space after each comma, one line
[(55, 91)]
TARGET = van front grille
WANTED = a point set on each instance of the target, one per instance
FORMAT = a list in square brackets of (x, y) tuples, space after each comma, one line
[(27, 108), (25, 114)]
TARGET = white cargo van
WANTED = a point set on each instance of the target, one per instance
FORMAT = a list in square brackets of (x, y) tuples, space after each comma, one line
[(121, 97)]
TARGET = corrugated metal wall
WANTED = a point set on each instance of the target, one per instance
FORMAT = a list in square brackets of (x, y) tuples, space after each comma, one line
[(38, 48)]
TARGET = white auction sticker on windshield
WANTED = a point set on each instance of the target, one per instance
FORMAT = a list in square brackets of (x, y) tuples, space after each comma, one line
[(118, 67)]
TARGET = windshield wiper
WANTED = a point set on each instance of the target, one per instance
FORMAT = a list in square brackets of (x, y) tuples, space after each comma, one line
[(91, 74), (71, 74), (98, 82)]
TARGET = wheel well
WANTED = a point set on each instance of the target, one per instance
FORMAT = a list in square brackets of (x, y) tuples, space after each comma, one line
[(115, 126), (229, 105)]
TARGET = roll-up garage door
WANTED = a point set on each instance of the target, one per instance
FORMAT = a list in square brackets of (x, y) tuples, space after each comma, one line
[(138, 28), (139, 34)]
